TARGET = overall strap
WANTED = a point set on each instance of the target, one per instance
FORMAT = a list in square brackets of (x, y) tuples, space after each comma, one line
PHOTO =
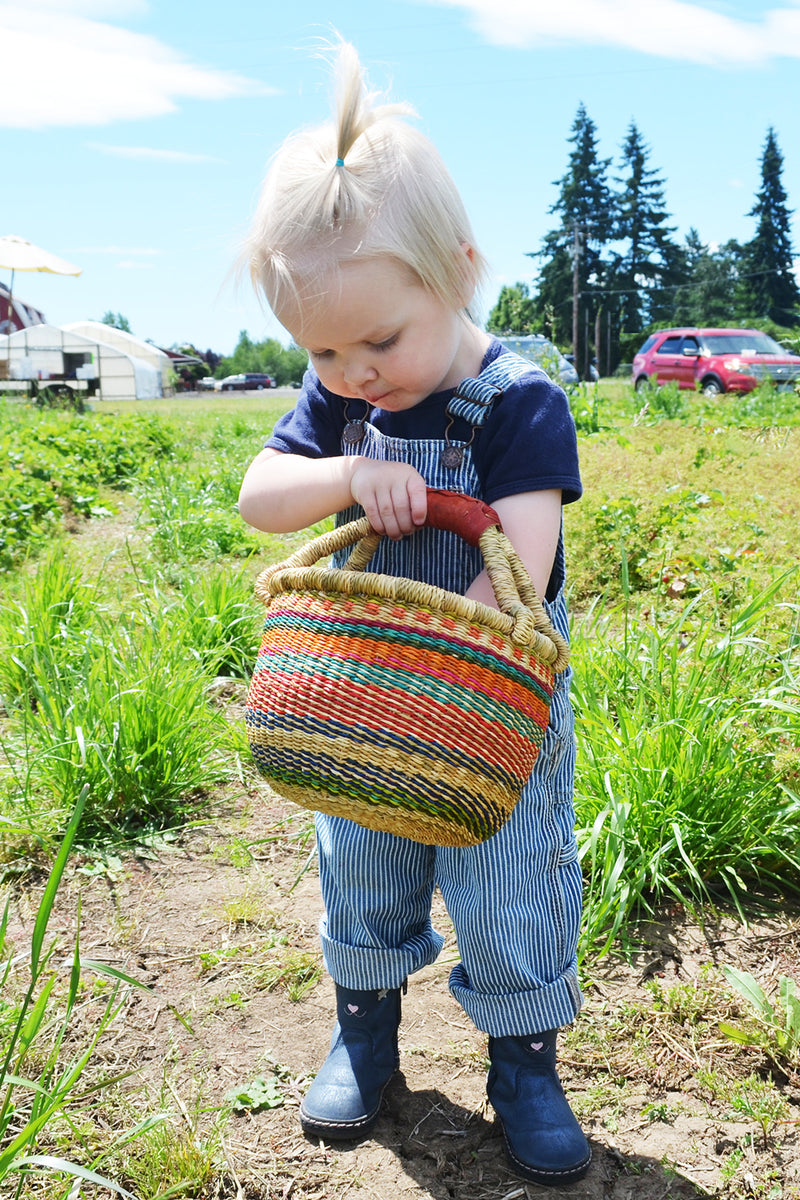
[(474, 398)]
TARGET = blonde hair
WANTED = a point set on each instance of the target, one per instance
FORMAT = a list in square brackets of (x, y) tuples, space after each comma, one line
[(366, 185)]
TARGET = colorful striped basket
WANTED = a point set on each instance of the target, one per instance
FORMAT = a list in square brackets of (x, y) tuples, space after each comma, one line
[(404, 707)]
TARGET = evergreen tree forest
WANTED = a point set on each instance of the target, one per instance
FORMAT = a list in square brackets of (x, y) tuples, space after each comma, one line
[(611, 270)]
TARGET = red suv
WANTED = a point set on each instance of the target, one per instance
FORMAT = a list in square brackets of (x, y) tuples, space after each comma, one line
[(715, 360)]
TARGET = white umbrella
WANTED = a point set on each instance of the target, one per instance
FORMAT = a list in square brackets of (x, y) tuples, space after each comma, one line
[(16, 254)]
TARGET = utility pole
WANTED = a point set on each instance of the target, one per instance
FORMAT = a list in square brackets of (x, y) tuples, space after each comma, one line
[(576, 295)]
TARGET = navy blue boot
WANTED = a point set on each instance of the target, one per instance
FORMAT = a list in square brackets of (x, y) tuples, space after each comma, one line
[(543, 1139), (344, 1099)]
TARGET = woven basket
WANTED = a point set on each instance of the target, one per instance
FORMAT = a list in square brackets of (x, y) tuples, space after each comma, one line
[(404, 707)]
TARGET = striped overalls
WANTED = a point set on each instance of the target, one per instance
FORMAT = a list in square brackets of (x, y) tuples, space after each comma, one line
[(514, 900)]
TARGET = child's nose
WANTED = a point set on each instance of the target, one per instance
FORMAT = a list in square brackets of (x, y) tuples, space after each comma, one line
[(358, 371)]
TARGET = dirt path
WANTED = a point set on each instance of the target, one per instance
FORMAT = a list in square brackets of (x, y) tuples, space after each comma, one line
[(208, 924)]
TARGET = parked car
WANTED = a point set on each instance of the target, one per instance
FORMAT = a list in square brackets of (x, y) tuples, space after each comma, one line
[(715, 360), (253, 381), (594, 374), (540, 350), (207, 384)]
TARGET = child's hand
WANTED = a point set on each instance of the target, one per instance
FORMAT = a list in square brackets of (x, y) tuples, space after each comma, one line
[(393, 495)]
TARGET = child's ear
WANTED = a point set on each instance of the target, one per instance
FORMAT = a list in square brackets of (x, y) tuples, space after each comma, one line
[(469, 279)]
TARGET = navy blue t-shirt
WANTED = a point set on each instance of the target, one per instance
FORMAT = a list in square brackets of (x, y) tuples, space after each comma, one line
[(527, 444)]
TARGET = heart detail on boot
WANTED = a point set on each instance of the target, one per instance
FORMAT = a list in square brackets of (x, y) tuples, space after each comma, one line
[(537, 1045), (353, 1008)]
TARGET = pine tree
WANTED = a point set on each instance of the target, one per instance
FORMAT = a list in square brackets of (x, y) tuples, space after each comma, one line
[(708, 297), (768, 282), (585, 211), (649, 263)]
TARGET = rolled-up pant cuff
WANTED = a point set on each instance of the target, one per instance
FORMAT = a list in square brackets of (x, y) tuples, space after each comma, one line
[(514, 1014), (367, 967)]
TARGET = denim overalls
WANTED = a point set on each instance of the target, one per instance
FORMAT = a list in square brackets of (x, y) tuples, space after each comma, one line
[(514, 900)]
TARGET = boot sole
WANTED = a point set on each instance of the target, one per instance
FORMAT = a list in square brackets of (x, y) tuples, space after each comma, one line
[(547, 1176), (342, 1131), (337, 1131)]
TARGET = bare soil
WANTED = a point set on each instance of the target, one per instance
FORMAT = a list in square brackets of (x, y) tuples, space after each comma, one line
[(203, 920)]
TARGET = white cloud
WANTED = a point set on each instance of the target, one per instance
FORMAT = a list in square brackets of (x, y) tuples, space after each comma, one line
[(155, 155), (675, 29), (63, 67), (96, 8)]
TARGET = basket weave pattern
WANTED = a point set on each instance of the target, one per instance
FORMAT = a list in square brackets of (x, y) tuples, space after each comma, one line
[(401, 706)]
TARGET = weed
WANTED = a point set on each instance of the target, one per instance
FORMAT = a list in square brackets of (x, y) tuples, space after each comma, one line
[(247, 909), (604, 1098), (261, 1092), (294, 971), (238, 854), (753, 1097), (270, 964), (662, 1111), (210, 959), (586, 404), (666, 400), (171, 1159), (266, 1090), (234, 1000), (777, 1031), (758, 1099), (685, 1003), (217, 620), (731, 1164), (194, 517)]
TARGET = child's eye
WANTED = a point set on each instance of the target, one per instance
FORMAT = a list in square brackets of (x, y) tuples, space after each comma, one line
[(320, 353), (387, 343)]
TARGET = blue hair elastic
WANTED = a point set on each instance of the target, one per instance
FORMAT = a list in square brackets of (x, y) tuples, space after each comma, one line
[(340, 162)]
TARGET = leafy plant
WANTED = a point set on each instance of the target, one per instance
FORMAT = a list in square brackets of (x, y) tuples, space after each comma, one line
[(664, 400), (261, 1092), (753, 1097), (777, 1032), (52, 464)]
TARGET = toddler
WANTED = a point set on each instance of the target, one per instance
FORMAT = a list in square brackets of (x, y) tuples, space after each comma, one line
[(364, 252)]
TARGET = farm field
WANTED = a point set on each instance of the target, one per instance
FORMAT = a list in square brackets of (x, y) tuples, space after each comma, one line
[(173, 1062)]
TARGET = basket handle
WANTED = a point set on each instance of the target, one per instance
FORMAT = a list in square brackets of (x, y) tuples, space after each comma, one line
[(460, 514), (520, 614)]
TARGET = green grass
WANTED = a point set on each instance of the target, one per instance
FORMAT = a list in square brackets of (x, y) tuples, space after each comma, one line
[(679, 792), (41, 1071), (686, 652), (116, 701)]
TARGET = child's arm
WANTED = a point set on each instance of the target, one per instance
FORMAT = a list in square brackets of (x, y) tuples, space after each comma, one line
[(532, 523), (282, 493)]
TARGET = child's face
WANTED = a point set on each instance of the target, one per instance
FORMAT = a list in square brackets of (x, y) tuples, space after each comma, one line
[(381, 337)]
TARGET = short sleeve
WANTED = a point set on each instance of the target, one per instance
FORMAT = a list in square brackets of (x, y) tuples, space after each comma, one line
[(314, 426), (529, 443)]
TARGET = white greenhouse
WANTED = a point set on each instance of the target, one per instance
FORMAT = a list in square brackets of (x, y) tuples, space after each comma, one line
[(129, 370)]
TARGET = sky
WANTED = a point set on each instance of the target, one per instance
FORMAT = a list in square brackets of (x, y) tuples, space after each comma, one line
[(135, 133)]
